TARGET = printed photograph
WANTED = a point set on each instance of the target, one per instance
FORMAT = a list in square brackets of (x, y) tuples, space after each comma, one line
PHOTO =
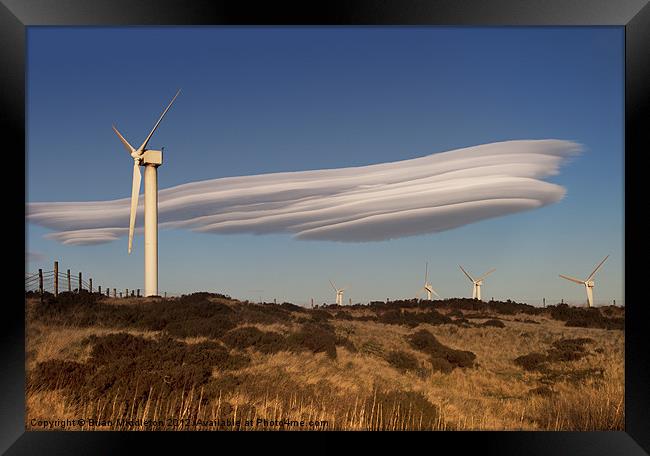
[(324, 228)]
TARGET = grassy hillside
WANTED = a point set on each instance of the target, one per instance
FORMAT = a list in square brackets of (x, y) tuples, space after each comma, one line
[(205, 361)]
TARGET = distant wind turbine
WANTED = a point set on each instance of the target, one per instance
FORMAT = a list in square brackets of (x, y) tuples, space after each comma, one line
[(476, 283), (427, 286), (151, 160), (588, 283), (339, 294)]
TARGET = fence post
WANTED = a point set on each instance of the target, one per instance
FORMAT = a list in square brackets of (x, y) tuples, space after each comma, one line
[(56, 278), (99, 289), (90, 285), (138, 293), (312, 303), (350, 301), (69, 284), (132, 293), (79, 289), (40, 281), (115, 292), (165, 295), (120, 294), (126, 293)]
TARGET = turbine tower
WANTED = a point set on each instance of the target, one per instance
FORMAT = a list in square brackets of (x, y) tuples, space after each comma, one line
[(339, 294), (151, 160), (427, 286), (588, 283), (476, 283)]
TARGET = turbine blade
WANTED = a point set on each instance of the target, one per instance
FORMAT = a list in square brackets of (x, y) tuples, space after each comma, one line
[(146, 141), (333, 286), (434, 292), (597, 268), (467, 274), (573, 279), (486, 274), (135, 191), (426, 272), (129, 148)]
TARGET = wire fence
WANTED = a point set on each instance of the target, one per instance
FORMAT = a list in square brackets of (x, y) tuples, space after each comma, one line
[(57, 281)]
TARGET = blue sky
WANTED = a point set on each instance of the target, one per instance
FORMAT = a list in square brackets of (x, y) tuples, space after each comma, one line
[(260, 100)]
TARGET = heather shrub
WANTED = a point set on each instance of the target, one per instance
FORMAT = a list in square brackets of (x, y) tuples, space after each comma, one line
[(590, 317), (426, 342), (494, 323), (441, 365), (531, 361), (402, 360), (131, 366), (347, 344), (568, 349), (315, 338), (412, 319), (390, 402), (265, 342)]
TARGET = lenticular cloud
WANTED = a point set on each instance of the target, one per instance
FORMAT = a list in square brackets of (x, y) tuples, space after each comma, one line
[(367, 203)]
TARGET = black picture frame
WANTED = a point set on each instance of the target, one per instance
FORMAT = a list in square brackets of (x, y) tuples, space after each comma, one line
[(633, 15)]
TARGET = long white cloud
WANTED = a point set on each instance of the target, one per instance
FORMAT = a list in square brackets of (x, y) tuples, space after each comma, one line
[(367, 203)]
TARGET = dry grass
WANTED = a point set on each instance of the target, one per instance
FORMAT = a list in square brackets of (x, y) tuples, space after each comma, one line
[(360, 389)]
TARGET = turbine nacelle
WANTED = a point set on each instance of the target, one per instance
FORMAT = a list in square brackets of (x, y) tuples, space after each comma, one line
[(152, 157), (148, 157)]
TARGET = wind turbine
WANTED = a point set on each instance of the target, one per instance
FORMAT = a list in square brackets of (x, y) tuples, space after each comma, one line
[(476, 283), (588, 283), (339, 294), (151, 160), (427, 286)]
